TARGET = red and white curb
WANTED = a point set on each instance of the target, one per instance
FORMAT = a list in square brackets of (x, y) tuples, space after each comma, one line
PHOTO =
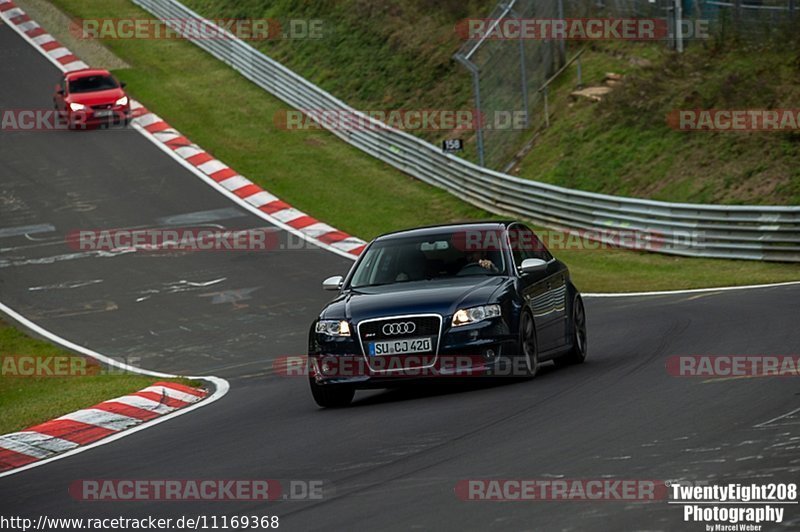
[(103, 423), (241, 189), (92, 424), (52, 49), (213, 171)]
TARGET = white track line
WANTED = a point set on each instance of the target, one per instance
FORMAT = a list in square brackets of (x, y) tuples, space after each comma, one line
[(221, 388), (787, 414), (692, 290)]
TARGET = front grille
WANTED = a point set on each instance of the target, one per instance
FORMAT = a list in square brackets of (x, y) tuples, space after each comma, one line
[(400, 328), (102, 107), (394, 328)]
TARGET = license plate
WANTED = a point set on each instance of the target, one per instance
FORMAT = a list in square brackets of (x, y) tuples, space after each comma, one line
[(401, 347), (103, 114)]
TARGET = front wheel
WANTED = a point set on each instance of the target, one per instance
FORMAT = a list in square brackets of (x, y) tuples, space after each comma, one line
[(527, 345), (332, 395), (577, 354)]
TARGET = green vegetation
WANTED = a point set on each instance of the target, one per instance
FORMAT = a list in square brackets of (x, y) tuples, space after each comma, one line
[(381, 54), (314, 171), (622, 145), (27, 400)]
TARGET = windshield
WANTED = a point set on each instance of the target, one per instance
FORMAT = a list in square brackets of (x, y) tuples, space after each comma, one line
[(92, 84), (399, 260)]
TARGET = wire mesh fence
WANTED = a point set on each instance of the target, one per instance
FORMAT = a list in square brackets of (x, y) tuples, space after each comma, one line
[(509, 74)]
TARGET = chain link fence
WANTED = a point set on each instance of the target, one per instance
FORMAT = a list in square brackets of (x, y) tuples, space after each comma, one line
[(509, 75)]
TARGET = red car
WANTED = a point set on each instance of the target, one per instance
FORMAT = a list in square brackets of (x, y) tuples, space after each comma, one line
[(92, 97)]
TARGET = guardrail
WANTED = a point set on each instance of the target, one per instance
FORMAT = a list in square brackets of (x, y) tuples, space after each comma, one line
[(770, 233)]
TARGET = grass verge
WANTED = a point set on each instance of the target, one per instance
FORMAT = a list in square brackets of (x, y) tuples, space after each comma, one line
[(623, 145), (28, 400), (317, 173)]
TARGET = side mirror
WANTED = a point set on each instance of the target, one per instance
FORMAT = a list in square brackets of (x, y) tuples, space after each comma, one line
[(59, 91), (532, 265), (333, 283), (123, 84)]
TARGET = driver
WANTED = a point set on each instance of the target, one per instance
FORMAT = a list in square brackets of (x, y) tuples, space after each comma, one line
[(477, 257)]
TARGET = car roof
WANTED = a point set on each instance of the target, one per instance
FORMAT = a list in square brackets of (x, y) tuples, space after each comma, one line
[(439, 229), (86, 72)]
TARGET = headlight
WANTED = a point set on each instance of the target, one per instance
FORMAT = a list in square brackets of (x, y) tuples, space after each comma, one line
[(122, 101), (475, 314), (77, 106), (333, 327)]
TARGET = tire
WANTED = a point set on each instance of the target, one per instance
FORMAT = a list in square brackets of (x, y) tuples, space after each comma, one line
[(577, 353), (332, 395), (527, 345)]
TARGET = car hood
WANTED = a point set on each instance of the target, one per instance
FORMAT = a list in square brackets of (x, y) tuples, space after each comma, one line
[(441, 296), (97, 98)]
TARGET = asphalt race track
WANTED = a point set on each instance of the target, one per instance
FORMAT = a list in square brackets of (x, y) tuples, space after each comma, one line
[(393, 459)]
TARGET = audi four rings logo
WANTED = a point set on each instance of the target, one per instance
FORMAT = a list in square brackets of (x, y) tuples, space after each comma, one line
[(403, 327)]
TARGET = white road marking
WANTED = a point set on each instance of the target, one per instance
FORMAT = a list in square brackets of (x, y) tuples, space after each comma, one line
[(235, 182), (692, 291), (41, 441), (6, 442), (188, 151), (318, 229), (143, 403), (211, 167), (68, 285), (59, 52), (260, 198), (287, 215), (101, 418), (173, 393), (787, 414), (26, 230)]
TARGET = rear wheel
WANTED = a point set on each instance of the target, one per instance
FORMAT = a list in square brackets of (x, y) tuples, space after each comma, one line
[(527, 345), (332, 395), (577, 353)]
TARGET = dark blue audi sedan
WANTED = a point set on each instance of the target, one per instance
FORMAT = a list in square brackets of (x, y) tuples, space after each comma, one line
[(475, 299)]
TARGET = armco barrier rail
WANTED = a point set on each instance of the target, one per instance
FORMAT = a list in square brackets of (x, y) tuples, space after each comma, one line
[(735, 232)]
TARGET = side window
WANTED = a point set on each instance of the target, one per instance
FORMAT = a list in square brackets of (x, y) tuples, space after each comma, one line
[(526, 245)]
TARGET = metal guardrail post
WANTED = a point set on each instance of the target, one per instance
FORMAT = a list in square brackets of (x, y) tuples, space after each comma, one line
[(546, 108), (562, 45), (523, 75), (476, 89), (476, 83)]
